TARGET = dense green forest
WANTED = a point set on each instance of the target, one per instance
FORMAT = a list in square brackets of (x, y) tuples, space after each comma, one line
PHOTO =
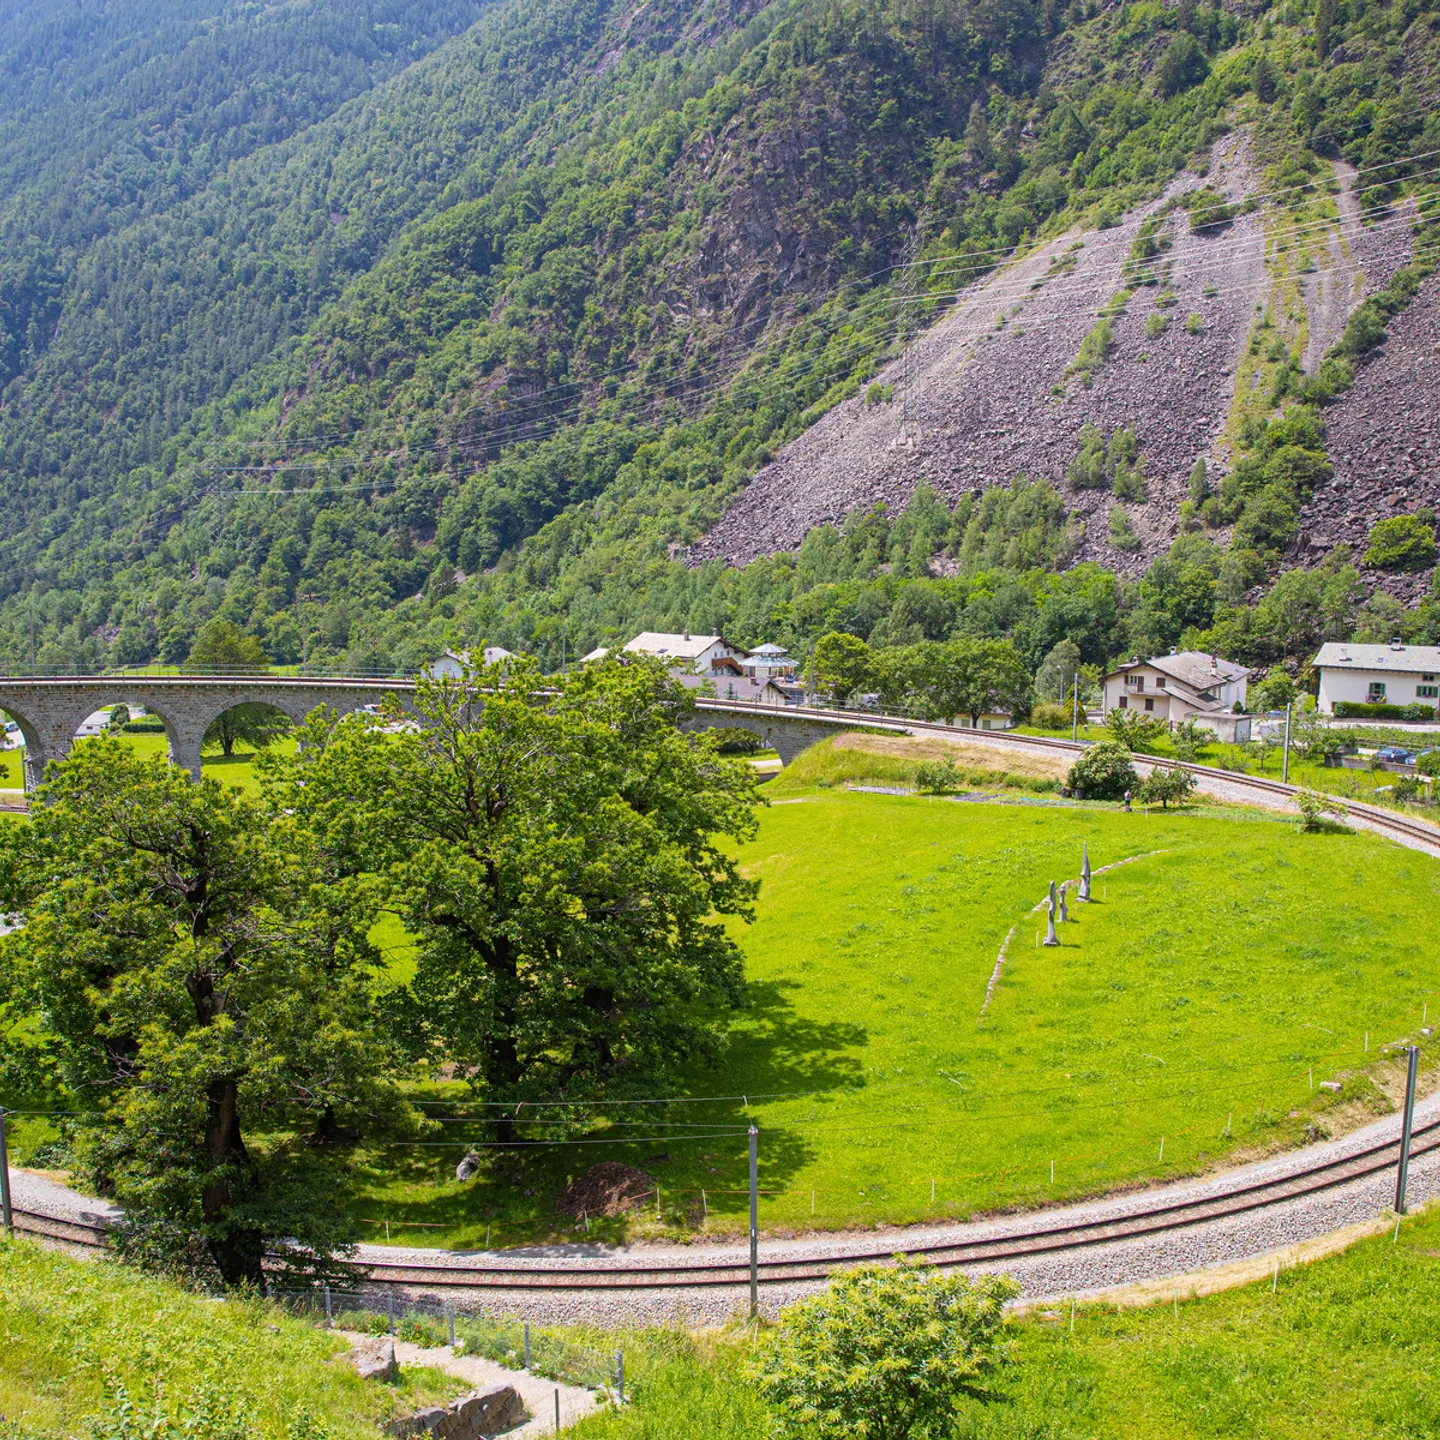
[(369, 331)]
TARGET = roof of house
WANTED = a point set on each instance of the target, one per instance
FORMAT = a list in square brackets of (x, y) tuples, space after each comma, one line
[(676, 647), (1393, 659), (738, 687), (1194, 668), (598, 653), (771, 650)]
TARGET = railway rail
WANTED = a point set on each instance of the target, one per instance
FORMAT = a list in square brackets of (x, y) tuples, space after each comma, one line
[(1374, 817), (1038, 1239)]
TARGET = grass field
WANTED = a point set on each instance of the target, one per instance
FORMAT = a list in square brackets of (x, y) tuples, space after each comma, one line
[(1233, 965), (74, 1330), (1344, 1347)]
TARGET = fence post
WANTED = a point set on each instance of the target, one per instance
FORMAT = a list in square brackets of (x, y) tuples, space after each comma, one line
[(7, 1213), (452, 1324), (1407, 1127), (620, 1375), (754, 1221), (527, 1344), (329, 1318), (390, 1310)]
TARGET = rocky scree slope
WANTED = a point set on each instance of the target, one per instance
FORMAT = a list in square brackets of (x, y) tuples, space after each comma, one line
[(991, 391)]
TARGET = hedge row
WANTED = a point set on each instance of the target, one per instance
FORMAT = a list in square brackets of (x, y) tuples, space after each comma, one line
[(1354, 710)]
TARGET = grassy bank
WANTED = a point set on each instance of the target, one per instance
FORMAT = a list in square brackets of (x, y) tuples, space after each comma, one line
[(78, 1333), (1343, 1347)]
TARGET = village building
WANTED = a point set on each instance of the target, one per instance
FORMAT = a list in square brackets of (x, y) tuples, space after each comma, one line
[(705, 655), (1186, 685), (772, 662), (1393, 674), (452, 664)]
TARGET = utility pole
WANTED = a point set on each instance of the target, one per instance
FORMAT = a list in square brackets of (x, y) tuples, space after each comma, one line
[(1285, 763), (1407, 1127), (1075, 711), (32, 629), (810, 677), (562, 647), (7, 1215), (755, 1222)]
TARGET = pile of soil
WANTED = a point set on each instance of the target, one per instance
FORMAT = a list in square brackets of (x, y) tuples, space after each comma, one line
[(608, 1188)]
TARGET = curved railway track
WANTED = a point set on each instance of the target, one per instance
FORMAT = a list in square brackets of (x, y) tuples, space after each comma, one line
[(1038, 1239), (1373, 817)]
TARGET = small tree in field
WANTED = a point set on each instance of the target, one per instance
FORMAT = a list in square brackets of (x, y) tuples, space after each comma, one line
[(886, 1353), (1133, 730), (1168, 787), (1315, 806)]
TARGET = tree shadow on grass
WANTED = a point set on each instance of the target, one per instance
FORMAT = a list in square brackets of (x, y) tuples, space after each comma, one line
[(694, 1141)]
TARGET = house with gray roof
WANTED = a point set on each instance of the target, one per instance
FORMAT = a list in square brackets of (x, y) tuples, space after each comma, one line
[(1184, 685), (1393, 674)]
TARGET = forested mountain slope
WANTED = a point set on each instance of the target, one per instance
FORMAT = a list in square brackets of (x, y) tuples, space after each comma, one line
[(485, 347)]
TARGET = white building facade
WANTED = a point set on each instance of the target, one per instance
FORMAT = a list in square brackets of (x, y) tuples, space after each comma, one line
[(709, 655), (1188, 685), (1392, 674)]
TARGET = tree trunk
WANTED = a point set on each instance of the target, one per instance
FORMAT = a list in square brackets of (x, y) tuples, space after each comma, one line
[(237, 1251)]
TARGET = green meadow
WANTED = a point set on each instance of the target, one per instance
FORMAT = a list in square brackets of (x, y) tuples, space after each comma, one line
[(1227, 966)]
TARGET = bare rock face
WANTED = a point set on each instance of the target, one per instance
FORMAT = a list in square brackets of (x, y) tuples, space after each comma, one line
[(487, 1412), (375, 1359)]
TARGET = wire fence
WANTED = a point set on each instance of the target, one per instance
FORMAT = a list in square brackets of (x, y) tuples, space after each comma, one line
[(512, 1342)]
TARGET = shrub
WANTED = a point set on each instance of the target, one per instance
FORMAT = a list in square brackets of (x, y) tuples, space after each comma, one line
[(1049, 716), (1314, 806), (1358, 710), (886, 1352), (1133, 730), (1403, 542), (1103, 772), (1429, 763), (1195, 323), (148, 725), (1155, 324), (937, 775), (1122, 534), (735, 740), (1168, 787)]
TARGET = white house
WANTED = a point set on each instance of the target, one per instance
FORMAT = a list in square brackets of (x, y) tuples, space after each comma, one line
[(708, 655), (451, 665), (1188, 685), (1392, 674)]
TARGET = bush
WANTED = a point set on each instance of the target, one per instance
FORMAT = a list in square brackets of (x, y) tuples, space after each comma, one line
[(1133, 730), (149, 725), (1168, 787), (1357, 710), (1103, 772), (1049, 716), (937, 775), (735, 740), (1314, 806), (1403, 542), (886, 1352)]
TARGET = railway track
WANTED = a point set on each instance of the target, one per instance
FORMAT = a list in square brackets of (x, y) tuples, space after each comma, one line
[(1374, 817), (1038, 1239)]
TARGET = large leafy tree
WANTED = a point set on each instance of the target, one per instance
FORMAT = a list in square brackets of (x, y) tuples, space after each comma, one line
[(198, 967), (254, 723), (224, 648), (555, 848)]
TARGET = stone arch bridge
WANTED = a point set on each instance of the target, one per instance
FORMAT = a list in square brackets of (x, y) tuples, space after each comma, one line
[(51, 709)]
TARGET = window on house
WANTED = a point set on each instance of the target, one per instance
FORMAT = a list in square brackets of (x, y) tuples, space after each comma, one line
[(1124, 702), (1149, 704), (1427, 692), (1134, 682), (1376, 693), (1159, 682)]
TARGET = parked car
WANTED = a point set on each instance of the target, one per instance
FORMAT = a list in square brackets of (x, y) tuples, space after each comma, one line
[(1395, 754)]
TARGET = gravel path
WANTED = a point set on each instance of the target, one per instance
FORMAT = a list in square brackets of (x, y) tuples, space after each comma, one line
[(536, 1391), (1076, 1272)]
